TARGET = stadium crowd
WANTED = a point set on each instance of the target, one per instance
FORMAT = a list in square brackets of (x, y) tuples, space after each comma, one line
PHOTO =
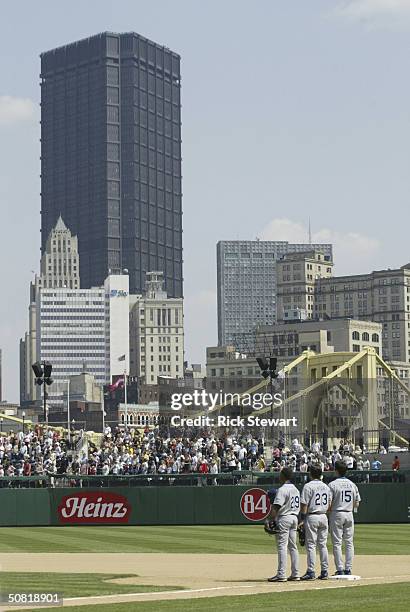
[(45, 451)]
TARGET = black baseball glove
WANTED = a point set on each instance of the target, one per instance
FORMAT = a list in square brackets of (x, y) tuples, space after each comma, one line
[(270, 527), (302, 534)]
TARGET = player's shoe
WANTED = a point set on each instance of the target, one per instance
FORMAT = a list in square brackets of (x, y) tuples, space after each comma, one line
[(323, 576), (309, 576), (339, 573), (293, 578), (277, 579), (348, 572)]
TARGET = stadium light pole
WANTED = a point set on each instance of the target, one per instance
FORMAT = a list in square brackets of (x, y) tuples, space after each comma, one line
[(68, 410), (42, 372), (268, 370)]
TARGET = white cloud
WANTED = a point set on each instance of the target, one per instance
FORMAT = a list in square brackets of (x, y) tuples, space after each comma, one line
[(14, 110), (353, 253), (374, 13)]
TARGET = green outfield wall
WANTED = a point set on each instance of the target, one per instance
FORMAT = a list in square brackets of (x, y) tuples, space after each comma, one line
[(176, 505)]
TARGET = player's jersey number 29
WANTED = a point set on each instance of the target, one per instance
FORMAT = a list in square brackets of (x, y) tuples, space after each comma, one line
[(295, 502)]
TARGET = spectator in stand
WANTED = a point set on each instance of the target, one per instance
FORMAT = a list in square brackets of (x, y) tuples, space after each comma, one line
[(396, 467), (204, 470), (396, 464), (376, 464)]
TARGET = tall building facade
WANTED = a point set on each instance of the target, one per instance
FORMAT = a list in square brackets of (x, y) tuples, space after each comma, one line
[(83, 330), (111, 156), (59, 266), (246, 283), (296, 275), (77, 330), (382, 296), (156, 333)]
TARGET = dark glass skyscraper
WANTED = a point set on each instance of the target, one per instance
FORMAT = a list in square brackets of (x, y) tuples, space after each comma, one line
[(111, 156)]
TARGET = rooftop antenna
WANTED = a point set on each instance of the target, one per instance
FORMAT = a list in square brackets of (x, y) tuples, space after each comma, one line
[(310, 234)]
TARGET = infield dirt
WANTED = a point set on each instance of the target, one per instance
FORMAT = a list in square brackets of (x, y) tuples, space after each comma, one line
[(202, 575)]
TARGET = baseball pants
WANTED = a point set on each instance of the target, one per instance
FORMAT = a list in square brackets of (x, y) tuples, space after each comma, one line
[(342, 530), (316, 530), (286, 541)]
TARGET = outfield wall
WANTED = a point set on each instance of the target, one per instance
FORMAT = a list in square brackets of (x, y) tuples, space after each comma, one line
[(175, 505)]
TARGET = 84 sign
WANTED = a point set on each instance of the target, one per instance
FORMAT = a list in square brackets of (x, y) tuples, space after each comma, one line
[(255, 504)]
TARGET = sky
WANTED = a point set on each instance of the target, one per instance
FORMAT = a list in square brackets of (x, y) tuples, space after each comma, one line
[(291, 110)]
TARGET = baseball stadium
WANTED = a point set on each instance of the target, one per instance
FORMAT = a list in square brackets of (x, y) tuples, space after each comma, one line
[(157, 519)]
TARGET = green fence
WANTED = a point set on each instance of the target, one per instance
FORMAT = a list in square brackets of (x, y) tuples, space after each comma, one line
[(192, 479), (176, 505)]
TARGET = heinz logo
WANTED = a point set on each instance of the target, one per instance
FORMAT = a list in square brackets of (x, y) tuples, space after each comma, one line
[(94, 507)]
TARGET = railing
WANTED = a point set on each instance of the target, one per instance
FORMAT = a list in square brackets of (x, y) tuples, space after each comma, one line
[(191, 479)]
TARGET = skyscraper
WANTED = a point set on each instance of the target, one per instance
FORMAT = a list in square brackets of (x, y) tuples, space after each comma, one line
[(59, 268), (111, 156), (60, 261), (76, 329), (246, 283)]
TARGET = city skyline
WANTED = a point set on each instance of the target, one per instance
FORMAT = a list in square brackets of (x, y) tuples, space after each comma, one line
[(347, 142)]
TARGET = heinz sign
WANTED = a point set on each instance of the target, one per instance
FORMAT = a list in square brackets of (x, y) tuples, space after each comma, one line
[(94, 507)]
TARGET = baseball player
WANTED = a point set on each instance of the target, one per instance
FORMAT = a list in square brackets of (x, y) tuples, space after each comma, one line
[(315, 502), (345, 499), (285, 511)]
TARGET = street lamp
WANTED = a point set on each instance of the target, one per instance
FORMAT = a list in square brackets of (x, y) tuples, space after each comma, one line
[(42, 372), (23, 414), (1, 423)]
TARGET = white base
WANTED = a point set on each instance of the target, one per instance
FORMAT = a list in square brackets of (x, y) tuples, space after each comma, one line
[(351, 577)]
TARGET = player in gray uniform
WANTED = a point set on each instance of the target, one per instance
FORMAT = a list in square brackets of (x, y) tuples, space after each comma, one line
[(285, 511), (345, 499), (315, 502)]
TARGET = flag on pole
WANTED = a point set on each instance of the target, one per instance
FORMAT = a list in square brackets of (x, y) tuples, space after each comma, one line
[(122, 358), (118, 383)]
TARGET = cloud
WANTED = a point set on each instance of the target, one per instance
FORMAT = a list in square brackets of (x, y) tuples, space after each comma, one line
[(14, 110), (374, 13), (353, 253)]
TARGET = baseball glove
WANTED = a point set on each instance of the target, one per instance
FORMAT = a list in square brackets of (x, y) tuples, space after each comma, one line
[(270, 527), (302, 534)]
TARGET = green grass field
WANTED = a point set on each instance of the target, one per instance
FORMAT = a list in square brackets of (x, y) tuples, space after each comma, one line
[(238, 539), (375, 598), (72, 585)]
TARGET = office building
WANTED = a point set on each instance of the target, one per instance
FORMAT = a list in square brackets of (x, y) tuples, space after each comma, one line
[(246, 283), (296, 275), (83, 331), (382, 296), (156, 333), (111, 156), (77, 330), (231, 368), (59, 268), (288, 340)]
